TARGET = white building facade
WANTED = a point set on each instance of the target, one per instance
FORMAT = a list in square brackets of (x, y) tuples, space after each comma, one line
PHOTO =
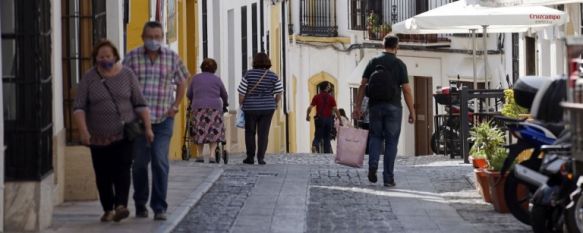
[(338, 48), (231, 33)]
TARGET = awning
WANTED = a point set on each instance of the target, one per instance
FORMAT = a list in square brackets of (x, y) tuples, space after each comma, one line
[(356, 75)]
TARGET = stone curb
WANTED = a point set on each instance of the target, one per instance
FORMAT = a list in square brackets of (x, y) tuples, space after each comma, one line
[(183, 209)]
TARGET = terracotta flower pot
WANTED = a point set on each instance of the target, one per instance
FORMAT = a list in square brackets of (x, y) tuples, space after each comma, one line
[(496, 183), (479, 162), (482, 184)]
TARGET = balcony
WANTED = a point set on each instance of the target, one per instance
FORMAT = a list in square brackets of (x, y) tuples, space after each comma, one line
[(376, 17), (318, 18)]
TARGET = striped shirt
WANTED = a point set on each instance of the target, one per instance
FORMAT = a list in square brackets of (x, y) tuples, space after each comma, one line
[(262, 97), (158, 78)]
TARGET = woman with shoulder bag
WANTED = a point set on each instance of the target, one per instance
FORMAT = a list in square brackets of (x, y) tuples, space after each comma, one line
[(259, 95), (109, 98)]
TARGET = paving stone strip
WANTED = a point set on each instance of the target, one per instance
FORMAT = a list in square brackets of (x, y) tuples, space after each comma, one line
[(218, 209)]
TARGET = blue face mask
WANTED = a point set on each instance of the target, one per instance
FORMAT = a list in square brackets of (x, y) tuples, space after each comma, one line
[(152, 45), (106, 64)]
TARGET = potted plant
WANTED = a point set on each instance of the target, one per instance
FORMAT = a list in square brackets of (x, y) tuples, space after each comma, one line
[(487, 140), (510, 108), (385, 29), (371, 24), (496, 181)]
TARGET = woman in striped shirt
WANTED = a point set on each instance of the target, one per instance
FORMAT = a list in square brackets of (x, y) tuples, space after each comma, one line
[(259, 95)]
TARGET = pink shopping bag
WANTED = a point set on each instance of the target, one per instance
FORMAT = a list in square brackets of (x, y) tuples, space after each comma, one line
[(351, 146)]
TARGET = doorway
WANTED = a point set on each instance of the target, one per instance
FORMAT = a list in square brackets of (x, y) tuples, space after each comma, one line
[(424, 110)]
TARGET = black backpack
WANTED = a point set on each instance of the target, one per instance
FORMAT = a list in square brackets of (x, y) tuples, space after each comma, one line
[(382, 84)]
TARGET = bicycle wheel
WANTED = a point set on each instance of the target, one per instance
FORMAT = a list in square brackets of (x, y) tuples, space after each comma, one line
[(437, 144)]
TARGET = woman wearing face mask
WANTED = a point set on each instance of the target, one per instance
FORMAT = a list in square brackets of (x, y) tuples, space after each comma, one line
[(107, 96)]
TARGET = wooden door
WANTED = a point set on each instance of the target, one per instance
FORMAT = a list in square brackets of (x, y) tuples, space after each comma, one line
[(424, 110)]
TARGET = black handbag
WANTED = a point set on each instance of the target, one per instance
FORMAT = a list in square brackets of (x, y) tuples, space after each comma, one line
[(132, 129)]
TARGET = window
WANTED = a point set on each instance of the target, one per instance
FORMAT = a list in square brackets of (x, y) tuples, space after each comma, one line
[(318, 18), (84, 24), (27, 82), (261, 20), (205, 45), (243, 40), (515, 61), (254, 27)]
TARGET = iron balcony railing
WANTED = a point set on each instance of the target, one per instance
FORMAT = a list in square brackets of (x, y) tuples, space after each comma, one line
[(376, 16), (318, 18)]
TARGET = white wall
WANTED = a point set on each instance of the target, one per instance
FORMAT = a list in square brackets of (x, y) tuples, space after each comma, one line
[(1, 146), (114, 11), (57, 68), (218, 46)]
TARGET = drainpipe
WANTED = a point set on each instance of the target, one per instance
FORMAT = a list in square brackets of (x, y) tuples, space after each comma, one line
[(283, 73), (2, 148)]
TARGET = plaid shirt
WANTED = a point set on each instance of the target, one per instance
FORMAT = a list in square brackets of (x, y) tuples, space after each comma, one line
[(158, 78)]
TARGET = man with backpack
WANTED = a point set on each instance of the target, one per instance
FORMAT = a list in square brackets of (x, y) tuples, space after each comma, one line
[(384, 78), (325, 104)]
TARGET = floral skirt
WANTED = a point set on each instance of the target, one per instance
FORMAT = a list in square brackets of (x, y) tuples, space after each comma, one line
[(207, 126)]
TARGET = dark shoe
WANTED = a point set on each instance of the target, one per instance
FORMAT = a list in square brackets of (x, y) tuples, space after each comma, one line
[(199, 160), (372, 175), (225, 156), (248, 161), (261, 162), (160, 216), (141, 212), (121, 212), (107, 216), (218, 158), (390, 183)]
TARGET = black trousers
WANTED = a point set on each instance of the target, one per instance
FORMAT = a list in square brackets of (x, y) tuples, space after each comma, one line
[(112, 165), (257, 122)]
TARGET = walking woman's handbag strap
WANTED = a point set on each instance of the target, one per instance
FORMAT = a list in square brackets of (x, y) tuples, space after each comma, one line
[(257, 84)]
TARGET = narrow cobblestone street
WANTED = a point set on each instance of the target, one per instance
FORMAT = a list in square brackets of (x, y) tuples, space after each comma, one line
[(310, 193)]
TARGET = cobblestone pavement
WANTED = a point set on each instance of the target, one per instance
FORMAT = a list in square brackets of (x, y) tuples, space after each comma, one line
[(433, 194)]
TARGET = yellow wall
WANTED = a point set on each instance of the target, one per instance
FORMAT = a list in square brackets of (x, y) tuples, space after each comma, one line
[(277, 132), (138, 16), (186, 34), (312, 87)]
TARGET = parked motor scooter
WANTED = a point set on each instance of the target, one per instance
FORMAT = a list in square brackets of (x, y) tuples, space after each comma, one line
[(538, 95), (554, 181)]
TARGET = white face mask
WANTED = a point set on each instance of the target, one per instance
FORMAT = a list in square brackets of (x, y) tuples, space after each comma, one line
[(152, 45)]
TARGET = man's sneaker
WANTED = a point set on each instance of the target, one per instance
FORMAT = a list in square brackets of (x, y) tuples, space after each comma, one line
[(390, 183), (161, 216), (121, 212), (141, 212), (372, 175), (107, 216)]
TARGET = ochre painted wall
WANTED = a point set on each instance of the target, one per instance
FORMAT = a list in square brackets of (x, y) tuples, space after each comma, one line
[(277, 132), (138, 16), (185, 27)]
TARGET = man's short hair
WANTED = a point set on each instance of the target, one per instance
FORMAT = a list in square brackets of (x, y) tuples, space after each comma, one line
[(151, 24), (390, 41), (324, 85)]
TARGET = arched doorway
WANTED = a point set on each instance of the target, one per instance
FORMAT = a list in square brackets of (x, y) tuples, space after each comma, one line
[(313, 86)]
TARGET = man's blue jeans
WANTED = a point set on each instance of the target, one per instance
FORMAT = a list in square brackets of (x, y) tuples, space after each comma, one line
[(385, 126), (157, 153), (322, 134)]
